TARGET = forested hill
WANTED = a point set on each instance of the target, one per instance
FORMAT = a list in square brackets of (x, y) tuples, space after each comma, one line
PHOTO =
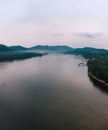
[(4, 48), (56, 48), (11, 56), (89, 52), (18, 48), (99, 68), (16, 53)]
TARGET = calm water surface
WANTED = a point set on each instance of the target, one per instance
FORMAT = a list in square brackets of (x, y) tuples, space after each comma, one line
[(50, 93)]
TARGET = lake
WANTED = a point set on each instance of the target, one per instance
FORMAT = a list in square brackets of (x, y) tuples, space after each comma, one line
[(50, 93)]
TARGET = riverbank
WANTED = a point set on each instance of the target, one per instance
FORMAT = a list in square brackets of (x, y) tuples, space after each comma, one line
[(11, 56), (98, 71), (97, 80)]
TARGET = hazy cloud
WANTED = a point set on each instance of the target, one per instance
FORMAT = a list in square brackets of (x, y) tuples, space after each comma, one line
[(58, 34), (88, 35)]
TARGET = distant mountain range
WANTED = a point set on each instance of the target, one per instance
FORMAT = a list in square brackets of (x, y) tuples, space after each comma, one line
[(51, 48), (87, 52), (17, 48), (4, 48)]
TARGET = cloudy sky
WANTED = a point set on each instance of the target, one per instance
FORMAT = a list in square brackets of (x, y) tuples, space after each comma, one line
[(77, 23)]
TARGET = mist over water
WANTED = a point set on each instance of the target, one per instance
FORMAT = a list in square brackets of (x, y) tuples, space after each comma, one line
[(50, 93)]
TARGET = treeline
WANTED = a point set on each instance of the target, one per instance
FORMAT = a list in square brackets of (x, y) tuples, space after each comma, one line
[(89, 53), (99, 68), (10, 56)]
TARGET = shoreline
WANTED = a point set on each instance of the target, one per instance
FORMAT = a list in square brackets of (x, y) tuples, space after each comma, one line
[(98, 81), (14, 56)]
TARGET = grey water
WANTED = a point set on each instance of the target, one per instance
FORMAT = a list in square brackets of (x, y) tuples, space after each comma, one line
[(50, 93)]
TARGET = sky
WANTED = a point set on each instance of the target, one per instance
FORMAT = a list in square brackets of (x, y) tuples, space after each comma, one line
[(77, 23)]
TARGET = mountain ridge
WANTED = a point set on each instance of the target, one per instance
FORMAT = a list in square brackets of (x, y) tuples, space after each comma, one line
[(18, 48), (4, 48), (87, 52)]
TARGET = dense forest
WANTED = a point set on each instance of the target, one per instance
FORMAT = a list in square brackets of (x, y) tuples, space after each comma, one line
[(10, 56), (89, 52), (99, 68)]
